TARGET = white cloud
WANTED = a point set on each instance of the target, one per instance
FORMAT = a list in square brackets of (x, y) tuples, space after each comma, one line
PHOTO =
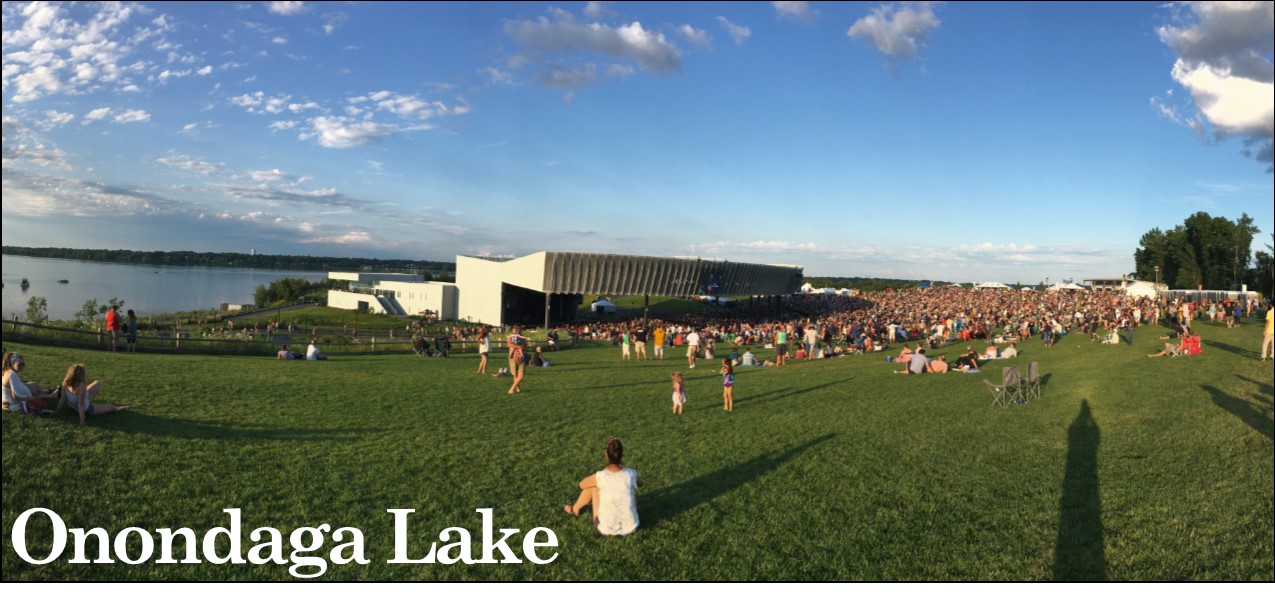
[(271, 176), (753, 246), (796, 11), (47, 51), (43, 195), (342, 132), (186, 163), (699, 37), (259, 103), (598, 10), (1223, 61), (353, 238), (739, 33), (136, 115), (207, 69), (897, 31), (619, 71), (563, 35), (278, 40), (497, 76), (281, 125), (287, 8), (55, 118), (332, 21), (95, 115)]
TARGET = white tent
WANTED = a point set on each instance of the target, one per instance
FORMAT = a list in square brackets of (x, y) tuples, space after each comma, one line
[(995, 285), (1140, 289), (1060, 286)]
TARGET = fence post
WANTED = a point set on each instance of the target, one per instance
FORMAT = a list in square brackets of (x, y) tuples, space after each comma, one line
[(177, 337), (99, 336), (373, 344)]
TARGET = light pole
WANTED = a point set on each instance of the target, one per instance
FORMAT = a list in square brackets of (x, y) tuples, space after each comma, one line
[(1157, 279)]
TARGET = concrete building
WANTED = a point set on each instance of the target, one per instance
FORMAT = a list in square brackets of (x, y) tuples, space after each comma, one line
[(549, 286), (395, 294)]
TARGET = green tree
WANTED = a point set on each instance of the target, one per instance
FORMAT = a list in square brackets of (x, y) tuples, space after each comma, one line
[(1204, 250), (37, 309), (90, 311)]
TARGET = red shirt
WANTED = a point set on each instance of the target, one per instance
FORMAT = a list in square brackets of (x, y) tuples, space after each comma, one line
[(112, 320)]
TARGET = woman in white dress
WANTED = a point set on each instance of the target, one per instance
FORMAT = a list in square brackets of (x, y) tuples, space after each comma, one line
[(613, 494)]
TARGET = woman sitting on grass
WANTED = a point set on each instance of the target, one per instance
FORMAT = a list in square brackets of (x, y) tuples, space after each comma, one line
[(613, 494), (80, 395), (18, 396)]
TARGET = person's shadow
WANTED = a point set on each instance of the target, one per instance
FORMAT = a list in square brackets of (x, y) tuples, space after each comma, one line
[(668, 502), (1079, 554), (1254, 411)]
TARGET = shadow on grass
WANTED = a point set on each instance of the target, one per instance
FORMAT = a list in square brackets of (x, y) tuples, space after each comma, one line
[(1078, 551), (668, 502), (780, 394), (140, 423), (1255, 413), (1245, 352)]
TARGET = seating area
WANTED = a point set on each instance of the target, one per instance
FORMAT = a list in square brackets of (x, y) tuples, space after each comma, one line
[(1014, 388)]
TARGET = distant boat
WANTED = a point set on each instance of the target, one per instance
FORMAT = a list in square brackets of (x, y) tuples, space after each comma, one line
[(25, 283), (63, 281)]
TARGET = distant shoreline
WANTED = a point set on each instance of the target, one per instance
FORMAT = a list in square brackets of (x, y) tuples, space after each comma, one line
[(183, 258)]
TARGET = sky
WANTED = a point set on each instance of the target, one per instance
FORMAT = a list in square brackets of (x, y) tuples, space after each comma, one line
[(950, 141)]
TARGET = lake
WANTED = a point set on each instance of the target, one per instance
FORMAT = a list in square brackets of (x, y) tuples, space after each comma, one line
[(147, 289)]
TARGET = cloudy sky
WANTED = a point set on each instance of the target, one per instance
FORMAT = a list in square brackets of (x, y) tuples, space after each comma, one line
[(917, 140)]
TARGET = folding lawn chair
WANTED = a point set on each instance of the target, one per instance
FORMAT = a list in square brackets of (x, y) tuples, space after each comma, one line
[(1008, 389), (1031, 385)]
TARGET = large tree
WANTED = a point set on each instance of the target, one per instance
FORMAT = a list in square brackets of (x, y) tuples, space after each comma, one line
[(1208, 251)]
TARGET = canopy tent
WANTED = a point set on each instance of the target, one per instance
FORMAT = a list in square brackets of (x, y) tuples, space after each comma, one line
[(994, 285), (1060, 286)]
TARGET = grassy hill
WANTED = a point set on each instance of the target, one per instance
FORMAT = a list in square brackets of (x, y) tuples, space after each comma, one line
[(1128, 468)]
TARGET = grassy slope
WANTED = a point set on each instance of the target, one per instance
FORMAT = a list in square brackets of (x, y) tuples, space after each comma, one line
[(1128, 468)]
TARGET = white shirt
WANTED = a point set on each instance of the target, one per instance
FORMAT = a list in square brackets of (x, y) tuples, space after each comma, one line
[(692, 339), (617, 502), (312, 353)]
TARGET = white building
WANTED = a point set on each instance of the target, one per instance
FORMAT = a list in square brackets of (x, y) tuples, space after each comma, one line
[(395, 294), (549, 286)]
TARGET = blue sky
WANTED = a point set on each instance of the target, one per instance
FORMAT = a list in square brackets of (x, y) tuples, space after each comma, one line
[(917, 140)]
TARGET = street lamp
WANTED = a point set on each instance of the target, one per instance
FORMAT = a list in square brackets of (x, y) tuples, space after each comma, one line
[(1157, 278)]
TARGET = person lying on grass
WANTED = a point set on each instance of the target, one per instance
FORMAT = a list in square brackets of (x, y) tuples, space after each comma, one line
[(613, 494), (1170, 349), (79, 395)]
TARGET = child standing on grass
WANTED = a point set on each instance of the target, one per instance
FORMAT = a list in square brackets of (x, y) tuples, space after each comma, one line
[(728, 382), (679, 393)]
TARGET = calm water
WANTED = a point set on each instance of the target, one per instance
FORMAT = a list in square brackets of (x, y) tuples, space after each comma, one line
[(146, 289)]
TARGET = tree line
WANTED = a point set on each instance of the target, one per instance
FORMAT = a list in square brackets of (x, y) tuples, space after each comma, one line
[(185, 258), (1212, 252), (288, 290)]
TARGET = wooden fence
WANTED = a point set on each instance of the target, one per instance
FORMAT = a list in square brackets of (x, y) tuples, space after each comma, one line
[(261, 344)]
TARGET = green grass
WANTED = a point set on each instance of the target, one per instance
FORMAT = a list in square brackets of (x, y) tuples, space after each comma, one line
[(1127, 469)]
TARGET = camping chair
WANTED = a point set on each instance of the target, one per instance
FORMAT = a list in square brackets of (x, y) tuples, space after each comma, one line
[(442, 345), (420, 347), (1008, 389), (1031, 385)]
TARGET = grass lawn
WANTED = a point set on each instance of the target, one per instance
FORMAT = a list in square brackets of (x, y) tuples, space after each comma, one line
[(1128, 468)]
